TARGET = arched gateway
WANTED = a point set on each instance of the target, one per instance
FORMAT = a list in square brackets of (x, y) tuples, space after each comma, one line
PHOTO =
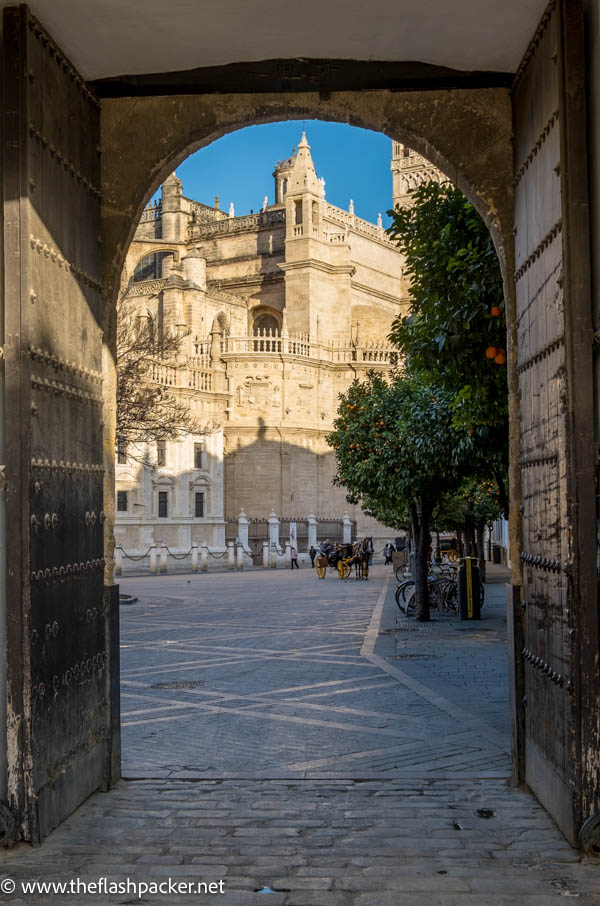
[(78, 170)]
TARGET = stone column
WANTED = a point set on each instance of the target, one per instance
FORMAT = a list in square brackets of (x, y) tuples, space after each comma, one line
[(163, 558), (194, 557), (243, 523), (312, 530), (239, 557), (118, 561), (265, 554), (287, 559), (153, 558), (230, 555), (203, 558), (273, 521), (347, 529)]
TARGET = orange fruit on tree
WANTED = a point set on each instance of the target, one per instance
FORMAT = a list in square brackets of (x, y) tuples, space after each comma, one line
[(500, 359), (491, 352), (495, 311)]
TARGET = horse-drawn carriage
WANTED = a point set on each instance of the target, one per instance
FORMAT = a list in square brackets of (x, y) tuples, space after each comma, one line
[(343, 557)]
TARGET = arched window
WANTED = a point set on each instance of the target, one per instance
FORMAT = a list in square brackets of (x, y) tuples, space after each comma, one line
[(149, 267), (264, 324)]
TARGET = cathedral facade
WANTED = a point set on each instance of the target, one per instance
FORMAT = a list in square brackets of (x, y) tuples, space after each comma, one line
[(279, 311)]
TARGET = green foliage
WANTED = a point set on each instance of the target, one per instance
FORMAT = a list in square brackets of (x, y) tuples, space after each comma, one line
[(476, 502), (396, 446), (457, 304)]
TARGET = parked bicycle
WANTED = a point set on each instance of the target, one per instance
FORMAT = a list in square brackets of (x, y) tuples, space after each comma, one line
[(442, 582)]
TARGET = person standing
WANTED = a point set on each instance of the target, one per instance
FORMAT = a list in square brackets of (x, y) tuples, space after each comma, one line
[(312, 554), (294, 558)]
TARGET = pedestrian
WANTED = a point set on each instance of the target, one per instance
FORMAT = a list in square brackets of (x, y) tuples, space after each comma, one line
[(294, 558), (312, 554), (388, 553)]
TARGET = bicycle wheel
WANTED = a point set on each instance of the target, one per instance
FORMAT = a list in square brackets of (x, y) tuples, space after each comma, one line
[(407, 588), (400, 602), (436, 598), (399, 573), (347, 570), (411, 602), (450, 593)]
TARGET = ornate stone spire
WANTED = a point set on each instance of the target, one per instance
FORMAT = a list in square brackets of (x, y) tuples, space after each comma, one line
[(303, 177)]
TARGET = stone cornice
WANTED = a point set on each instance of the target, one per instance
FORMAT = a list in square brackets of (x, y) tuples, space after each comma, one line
[(317, 265), (250, 280), (380, 294)]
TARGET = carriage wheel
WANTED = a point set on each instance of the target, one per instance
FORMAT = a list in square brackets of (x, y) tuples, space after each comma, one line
[(347, 570), (343, 569), (320, 571)]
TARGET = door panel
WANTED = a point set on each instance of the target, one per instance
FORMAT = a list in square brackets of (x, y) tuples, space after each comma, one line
[(58, 724), (555, 386)]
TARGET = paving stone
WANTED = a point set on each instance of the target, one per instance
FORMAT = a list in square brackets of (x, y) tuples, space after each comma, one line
[(299, 765)]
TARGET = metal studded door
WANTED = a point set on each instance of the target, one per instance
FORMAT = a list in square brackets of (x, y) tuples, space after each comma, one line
[(557, 449), (58, 714)]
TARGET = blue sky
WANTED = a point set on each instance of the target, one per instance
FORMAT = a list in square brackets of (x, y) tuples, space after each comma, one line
[(354, 162)]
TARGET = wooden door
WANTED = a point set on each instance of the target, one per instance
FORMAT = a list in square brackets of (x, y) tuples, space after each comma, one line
[(57, 620), (557, 446)]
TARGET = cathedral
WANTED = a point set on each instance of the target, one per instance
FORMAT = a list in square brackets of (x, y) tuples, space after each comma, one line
[(279, 311)]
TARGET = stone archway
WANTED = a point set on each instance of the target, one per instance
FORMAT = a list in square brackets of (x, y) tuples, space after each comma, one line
[(466, 133)]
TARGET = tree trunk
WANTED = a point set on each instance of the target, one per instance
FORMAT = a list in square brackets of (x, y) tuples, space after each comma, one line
[(470, 539), (421, 540), (502, 492), (481, 550)]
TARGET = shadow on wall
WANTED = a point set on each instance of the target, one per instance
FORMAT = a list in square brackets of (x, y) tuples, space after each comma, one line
[(288, 469)]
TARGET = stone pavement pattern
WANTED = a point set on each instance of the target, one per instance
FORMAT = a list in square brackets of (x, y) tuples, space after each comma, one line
[(282, 688), (318, 760)]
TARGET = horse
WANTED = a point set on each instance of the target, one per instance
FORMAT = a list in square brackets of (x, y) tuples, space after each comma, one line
[(362, 553)]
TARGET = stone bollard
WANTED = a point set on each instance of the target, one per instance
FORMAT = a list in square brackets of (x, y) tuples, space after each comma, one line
[(194, 557), (273, 521), (273, 557), (163, 558), (118, 561), (265, 554), (287, 557), (203, 558), (243, 523), (312, 530), (230, 555), (239, 556), (153, 559), (347, 529)]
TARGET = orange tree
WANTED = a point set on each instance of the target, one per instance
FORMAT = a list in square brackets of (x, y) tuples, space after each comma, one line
[(455, 333), (474, 505), (397, 451)]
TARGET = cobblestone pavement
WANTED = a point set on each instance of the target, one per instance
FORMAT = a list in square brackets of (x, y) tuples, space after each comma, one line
[(303, 758)]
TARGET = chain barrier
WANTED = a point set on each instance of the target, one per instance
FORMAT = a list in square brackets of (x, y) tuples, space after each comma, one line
[(249, 553), (131, 556), (179, 556)]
